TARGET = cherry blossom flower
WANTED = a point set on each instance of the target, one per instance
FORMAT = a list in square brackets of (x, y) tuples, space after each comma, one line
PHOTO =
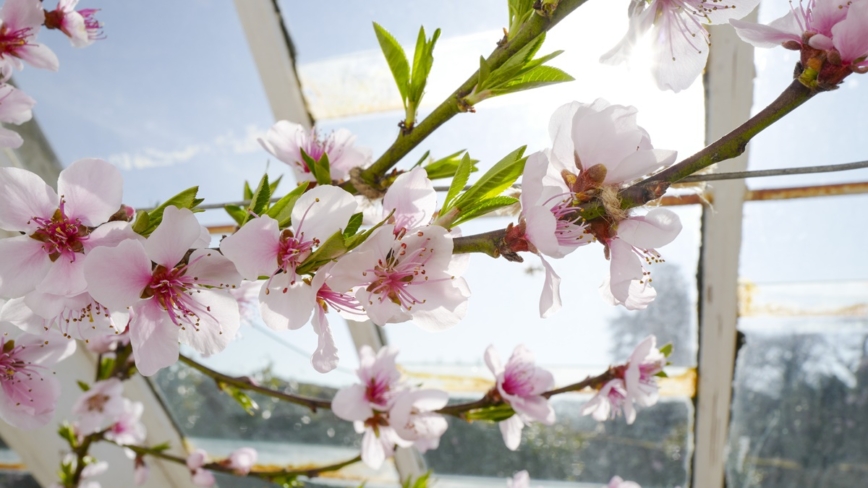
[(241, 460), (325, 357), (59, 230), (29, 389), (634, 385), (679, 39), (200, 476), (15, 108), (78, 317), (247, 296), (80, 26), (596, 149), (260, 248), (285, 141), (411, 200), (519, 480), (402, 279), (140, 471), (128, 428), (101, 405), (105, 344), (368, 405), (617, 482), (413, 418), (521, 385), (173, 300), (20, 21), (831, 35)]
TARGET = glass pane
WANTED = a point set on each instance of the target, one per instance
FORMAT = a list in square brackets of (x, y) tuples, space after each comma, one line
[(12, 471), (824, 126)]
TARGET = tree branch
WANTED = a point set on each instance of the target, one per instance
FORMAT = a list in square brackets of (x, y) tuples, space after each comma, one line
[(245, 384), (536, 25), (222, 468)]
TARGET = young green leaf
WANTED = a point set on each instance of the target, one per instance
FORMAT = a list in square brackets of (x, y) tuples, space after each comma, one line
[(396, 60), (484, 72), (423, 60), (534, 78), (310, 163), (281, 211), (247, 403), (422, 159), (273, 185), (83, 386), (483, 207), (248, 192), (324, 171), (500, 177), (666, 350), (462, 173), (238, 214), (353, 225), (152, 219), (447, 166), (261, 196), (496, 413)]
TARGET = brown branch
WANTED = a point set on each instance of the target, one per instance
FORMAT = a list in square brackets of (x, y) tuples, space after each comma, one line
[(246, 384)]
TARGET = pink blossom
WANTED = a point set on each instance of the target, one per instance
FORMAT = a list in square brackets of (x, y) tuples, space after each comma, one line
[(195, 463), (173, 300), (286, 140), (140, 471), (413, 418), (128, 428), (325, 357), (59, 230), (260, 248), (246, 294), (521, 384), (679, 39), (29, 388), (397, 280), (832, 36), (617, 482), (368, 405), (519, 480), (411, 200), (596, 150), (20, 21), (80, 26), (241, 460), (101, 405), (108, 343), (15, 108), (634, 385), (78, 317)]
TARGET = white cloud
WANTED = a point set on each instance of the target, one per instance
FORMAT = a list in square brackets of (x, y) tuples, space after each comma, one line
[(228, 143)]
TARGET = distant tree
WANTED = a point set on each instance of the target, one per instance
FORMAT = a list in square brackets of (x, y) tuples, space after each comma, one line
[(670, 317)]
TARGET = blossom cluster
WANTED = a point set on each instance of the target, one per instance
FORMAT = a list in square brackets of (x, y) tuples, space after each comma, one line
[(20, 21)]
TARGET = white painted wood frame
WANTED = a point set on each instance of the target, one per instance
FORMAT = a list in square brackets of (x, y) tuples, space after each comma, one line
[(729, 96)]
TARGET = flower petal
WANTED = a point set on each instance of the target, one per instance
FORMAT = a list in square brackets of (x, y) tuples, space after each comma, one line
[(65, 277), (23, 266), (217, 325), (154, 338), (284, 305), (781, 30), (350, 404), (117, 276), (550, 299), (92, 190), (851, 35), (655, 229), (254, 248), (174, 237), (511, 429), (679, 56), (23, 195), (321, 212), (492, 360), (325, 357)]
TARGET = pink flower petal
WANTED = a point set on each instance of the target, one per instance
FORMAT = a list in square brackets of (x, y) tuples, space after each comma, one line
[(23, 266), (851, 34), (65, 277), (321, 212), (511, 429), (219, 320), (541, 225), (210, 268), (412, 198), (284, 305), (174, 237), (492, 360), (550, 299), (655, 229), (38, 56), (32, 409), (640, 163), (15, 105), (350, 404), (325, 357), (154, 338), (254, 248), (781, 30), (679, 57), (92, 189), (117, 276), (23, 195)]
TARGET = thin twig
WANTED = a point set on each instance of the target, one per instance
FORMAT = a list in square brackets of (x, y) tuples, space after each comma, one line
[(245, 384), (223, 468)]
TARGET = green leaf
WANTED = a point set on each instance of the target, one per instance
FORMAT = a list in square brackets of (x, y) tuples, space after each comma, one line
[(150, 222), (447, 167), (496, 413), (420, 482), (273, 185), (353, 225), (165, 446), (666, 350), (324, 171), (248, 193), (237, 213), (281, 211), (84, 386), (259, 201), (661, 374), (67, 432), (423, 60), (422, 159), (310, 163), (534, 78), (396, 59), (106, 367), (356, 240), (462, 174), (241, 397), (333, 248), (483, 207), (500, 177), (514, 65), (484, 71)]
